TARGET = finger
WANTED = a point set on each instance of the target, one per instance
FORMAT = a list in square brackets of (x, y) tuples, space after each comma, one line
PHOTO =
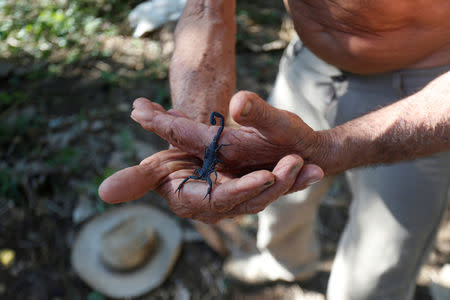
[(133, 182), (285, 173), (177, 113), (154, 105), (249, 109), (236, 191), (224, 196), (125, 185), (309, 175), (180, 132)]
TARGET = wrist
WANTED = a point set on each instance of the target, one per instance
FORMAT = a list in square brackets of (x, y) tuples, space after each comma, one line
[(329, 153), (207, 15), (202, 68)]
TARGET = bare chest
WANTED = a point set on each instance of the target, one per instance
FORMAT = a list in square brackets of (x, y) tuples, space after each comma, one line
[(370, 36), (370, 15)]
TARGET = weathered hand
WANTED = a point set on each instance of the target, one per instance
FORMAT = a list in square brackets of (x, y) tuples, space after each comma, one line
[(245, 186), (231, 196), (268, 133)]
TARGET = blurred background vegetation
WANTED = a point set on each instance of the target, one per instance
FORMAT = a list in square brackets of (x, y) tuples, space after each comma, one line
[(69, 71)]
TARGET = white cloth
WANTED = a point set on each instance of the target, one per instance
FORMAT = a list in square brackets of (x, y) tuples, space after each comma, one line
[(152, 14)]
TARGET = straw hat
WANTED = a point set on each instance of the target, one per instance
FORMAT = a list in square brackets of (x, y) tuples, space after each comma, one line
[(126, 251)]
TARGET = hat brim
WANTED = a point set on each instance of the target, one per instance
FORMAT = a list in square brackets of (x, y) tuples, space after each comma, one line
[(86, 253)]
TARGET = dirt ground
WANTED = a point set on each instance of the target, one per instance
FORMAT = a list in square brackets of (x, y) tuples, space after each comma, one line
[(74, 130)]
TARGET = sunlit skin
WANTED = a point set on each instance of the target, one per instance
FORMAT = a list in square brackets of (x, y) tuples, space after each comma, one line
[(376, 35), (274, 152), (241, 189)]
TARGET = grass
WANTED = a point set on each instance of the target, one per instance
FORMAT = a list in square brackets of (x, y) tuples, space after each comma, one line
[(41, 28), (45, 40)]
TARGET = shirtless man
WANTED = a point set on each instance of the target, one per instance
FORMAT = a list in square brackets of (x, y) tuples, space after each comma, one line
[(369, 84)]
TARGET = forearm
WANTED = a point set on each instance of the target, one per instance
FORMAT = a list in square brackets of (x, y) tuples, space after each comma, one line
[(413, 127), (202, 69)]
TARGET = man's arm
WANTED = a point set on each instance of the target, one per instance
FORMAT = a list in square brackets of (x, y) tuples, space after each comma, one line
[(202, 70), (414, 127)]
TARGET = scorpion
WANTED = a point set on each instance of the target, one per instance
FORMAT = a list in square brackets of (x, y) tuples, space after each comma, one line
[(210, 158)]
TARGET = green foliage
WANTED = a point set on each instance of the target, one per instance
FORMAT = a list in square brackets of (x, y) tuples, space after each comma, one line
[(162, 97), (126, 145), (126, 141), (11, 98), (9, 184), (95, 296), (110, 77), (67, 156), (18, 127), (241, 12), (260, 16), (268, 16), (42, 27), (106, 173), (101, 206)]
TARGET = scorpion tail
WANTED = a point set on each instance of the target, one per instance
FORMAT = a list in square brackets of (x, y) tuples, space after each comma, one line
[(212, 120), (214, 115)]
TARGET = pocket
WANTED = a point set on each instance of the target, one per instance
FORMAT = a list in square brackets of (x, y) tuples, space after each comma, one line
[(293, 49)]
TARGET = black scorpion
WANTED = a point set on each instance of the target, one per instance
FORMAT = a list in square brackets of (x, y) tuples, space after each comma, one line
[(210, 159)]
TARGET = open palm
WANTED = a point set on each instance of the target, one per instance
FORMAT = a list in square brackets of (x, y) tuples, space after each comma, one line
[(260, 164)]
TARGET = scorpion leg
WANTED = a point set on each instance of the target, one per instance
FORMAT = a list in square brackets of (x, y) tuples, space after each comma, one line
[(197, 171), (208, 192), (221, 145), (218, 160), (182, 183)]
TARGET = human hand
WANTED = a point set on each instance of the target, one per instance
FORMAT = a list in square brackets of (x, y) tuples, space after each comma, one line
[(240, 188), (268, 133), (230, 196)]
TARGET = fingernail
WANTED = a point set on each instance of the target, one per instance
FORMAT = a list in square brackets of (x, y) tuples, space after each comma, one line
[(270, 182), (313, 180), (314, 177), (294, 171), (246, 109)]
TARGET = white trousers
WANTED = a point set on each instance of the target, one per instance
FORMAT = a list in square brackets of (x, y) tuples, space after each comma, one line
[(396, 209)]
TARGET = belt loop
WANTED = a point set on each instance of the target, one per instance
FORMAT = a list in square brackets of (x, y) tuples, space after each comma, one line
[(298, 47), (397, 84)]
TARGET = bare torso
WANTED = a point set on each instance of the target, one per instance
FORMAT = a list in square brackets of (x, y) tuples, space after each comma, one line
[(371, 36)]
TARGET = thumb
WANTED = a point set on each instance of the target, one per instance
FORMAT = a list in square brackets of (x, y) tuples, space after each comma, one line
[(248, 109)]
